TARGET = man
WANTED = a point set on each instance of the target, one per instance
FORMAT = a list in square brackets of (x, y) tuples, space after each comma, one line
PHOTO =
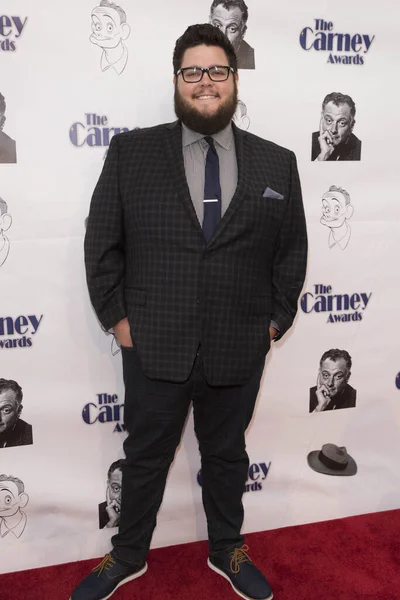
[(335, 139), (332, 390), (5, 224), (230, 16), (8, 153), (110, 29), (109, 511), (13, 430), (12, 500), (336, 212), (195, 255)]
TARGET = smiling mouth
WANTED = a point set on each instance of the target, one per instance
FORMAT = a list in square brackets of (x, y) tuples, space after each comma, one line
[(206, 97)]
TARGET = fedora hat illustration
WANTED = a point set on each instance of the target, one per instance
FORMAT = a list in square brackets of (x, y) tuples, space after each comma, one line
[(332, 460)]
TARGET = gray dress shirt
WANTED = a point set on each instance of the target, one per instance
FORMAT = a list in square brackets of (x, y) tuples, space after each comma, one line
[(194, 157)]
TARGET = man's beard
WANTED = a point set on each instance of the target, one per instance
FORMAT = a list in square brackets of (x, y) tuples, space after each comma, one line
[(206, 123)]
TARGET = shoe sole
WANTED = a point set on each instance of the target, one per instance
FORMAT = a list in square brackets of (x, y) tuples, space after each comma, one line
[(239, 593), (126, 580)]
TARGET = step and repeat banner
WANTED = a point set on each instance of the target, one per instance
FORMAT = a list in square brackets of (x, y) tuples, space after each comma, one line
[(318, 78)]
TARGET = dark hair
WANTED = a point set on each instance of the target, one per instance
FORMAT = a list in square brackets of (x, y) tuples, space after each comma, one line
[(206, 34), (115, 465), (2, 104), (337, 98), (335, 354), (10, 384), (228, 4)]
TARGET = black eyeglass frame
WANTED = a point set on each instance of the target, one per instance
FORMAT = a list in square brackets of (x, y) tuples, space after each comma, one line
[(205, 70)]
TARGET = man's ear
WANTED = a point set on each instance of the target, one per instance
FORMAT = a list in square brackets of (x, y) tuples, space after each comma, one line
[(23, 500), (125, 31), (349, 211), (348, 376), (5, 221), (174, 79), (244, 29), (19, 411), (352, 125), (2, 121)]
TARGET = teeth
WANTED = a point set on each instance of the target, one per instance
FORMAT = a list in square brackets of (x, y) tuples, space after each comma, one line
[(206, 96)]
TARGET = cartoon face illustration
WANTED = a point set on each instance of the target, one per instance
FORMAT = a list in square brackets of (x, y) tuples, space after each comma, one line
[(337, 210), (5, 224), (11, 499), (109, 25), (109, 30)]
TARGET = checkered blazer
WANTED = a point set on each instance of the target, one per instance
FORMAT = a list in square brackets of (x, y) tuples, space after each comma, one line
[(146, 257)]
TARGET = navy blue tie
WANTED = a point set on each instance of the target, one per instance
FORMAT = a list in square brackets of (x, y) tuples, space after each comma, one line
[(212, 192)]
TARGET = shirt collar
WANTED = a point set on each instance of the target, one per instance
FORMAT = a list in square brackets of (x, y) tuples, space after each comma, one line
[(17, 530), (342, 243), (224, 137), (118, 65)]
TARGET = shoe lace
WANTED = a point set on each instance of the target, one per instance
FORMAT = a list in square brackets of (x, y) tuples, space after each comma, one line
[(239, 555), (107, 563)]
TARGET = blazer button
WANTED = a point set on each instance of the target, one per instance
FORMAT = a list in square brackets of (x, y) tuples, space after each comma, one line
[(198, 300)]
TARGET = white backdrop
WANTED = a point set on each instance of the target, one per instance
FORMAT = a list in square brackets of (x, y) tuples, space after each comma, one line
[(51, 80)]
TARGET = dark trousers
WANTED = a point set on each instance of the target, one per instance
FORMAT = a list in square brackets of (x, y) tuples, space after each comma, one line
[(155, 413)]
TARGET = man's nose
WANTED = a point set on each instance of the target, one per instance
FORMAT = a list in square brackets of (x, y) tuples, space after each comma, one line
[(330, 381), (334, 127)]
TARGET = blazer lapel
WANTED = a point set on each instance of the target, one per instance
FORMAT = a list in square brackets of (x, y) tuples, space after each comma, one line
[(175, 158), (243, 157)]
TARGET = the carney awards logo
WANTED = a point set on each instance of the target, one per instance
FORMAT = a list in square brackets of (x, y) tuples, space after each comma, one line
[(106, 409), (93, 130), (337, 308), (322, 37), (17, 332), (11, 29), (257, 474)]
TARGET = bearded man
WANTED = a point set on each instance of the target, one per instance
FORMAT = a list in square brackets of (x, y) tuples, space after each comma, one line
[(195, 257)]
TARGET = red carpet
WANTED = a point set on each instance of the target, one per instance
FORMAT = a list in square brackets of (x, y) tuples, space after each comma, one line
[(345, 559)]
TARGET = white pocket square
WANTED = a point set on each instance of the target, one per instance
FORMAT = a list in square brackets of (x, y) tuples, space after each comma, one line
[(268, 193)]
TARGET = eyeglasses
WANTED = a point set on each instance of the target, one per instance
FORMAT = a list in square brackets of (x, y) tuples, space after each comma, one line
[(195, 74)]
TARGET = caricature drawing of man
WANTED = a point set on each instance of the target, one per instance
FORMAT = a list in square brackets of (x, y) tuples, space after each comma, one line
[(110, 30), (12, 500), (240, 117), (336, 212), (5, 224)]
